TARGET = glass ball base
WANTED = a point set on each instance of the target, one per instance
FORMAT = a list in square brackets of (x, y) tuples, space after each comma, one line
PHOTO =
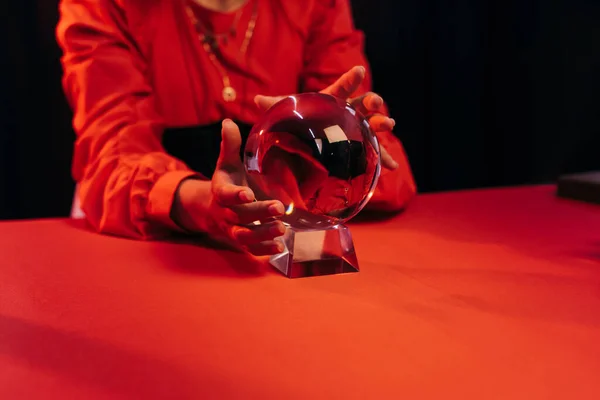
[(309, 253)]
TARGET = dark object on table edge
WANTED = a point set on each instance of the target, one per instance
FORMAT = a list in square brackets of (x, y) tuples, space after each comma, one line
[(582, 187)]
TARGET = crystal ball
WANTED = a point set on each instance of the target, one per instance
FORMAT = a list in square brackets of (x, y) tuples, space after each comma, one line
[(317, 155)]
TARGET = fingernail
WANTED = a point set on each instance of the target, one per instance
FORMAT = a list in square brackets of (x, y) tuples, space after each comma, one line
[(393, 122), (276, 209), (279, 247), (226, 121)]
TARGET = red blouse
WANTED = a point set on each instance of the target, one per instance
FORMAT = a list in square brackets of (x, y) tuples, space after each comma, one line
[(135, 67)]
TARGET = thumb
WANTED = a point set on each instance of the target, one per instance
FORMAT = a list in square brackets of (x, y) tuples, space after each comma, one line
[(265, 102), (231, 141), (347, 84)]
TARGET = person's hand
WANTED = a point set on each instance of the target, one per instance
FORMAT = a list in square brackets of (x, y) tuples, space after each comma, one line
[(225, 207), (369, 105)]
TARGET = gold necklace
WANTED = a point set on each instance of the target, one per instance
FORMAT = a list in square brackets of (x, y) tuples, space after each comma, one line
[(210, 45)]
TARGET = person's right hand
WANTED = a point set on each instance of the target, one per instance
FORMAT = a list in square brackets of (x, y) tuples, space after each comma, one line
[(225, 207)]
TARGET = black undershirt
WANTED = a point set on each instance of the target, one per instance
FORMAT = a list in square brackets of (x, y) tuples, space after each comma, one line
[(199, 146)]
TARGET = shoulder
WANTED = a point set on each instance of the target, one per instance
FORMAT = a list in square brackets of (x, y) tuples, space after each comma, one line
[(307, 9), (83, 22), (305, 14), (108, 9)]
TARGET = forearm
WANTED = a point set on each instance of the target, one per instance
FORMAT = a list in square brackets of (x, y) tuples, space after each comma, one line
[(132, 195)]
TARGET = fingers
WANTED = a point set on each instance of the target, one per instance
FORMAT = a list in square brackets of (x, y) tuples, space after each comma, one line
[(267, 248), (381, 123), (387, 161), (266, 102), (257, 234), (231, 141), (347, 84), (229, 195), (243, 205), (368, 103), (257, 211), (371, 104), (259, 240)]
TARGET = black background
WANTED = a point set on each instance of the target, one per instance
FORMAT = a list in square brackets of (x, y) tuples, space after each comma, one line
[(484, 93)]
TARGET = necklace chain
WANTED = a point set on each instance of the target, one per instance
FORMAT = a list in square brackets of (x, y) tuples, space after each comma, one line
[(209, 42)]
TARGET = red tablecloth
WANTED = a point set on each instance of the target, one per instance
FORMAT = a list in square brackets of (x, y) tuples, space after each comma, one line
[(491, 294)]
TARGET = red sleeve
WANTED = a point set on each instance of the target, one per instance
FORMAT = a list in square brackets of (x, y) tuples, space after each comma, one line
[(334, 47), (126, 180)]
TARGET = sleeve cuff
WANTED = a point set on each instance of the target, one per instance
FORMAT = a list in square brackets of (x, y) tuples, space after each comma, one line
[(162, 195)]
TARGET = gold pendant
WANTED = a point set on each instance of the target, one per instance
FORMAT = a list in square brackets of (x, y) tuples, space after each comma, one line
[(229, 94)]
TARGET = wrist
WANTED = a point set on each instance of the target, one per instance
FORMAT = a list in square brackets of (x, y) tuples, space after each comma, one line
[(191, 204)]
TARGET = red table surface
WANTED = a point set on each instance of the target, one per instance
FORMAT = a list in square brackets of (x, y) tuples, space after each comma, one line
[(490, 294)]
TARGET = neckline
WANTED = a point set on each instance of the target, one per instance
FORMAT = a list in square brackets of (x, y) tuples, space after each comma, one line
[(210, 12), (217, 21)]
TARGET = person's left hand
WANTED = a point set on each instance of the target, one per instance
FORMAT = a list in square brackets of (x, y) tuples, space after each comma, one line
[(369, 105)]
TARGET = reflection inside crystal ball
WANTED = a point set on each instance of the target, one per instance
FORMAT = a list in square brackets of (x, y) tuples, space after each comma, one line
[(317, 155)]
